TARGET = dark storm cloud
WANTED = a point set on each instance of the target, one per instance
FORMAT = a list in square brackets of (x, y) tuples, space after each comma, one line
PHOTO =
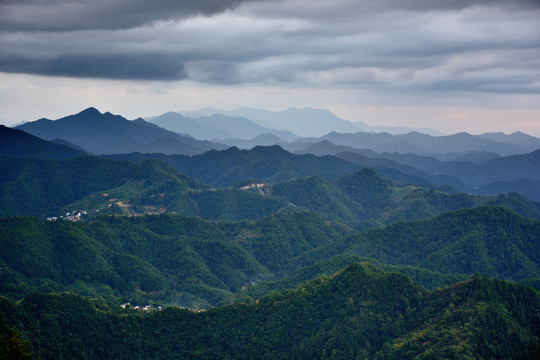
[(66, 15), (118, 66), (416, 45)]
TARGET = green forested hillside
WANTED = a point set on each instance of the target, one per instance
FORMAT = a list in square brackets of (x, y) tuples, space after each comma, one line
[(167, 258), (196, 263), (366, 198), (489, 240), (253, 262), (360, 200), (360, 313), (42, 187), (228, 167), (50, 188)]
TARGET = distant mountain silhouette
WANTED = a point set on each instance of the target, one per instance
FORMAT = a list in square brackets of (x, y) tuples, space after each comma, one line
[(185, 125), (108, 134), (17, 143), (422, 144), (304, 122), (526, 187), (260, 140), (217, 126)]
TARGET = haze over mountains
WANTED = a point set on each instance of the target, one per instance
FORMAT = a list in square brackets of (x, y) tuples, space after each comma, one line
[(489, 163), (106, 133), (306, 121), (308, 241)]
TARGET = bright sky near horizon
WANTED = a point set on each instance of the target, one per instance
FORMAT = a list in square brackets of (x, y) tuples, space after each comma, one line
[(457, 65)]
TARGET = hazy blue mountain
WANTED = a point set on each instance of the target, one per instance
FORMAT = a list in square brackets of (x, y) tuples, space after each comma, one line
[(68, 144), (508, 169), (526, 187), (379, 142), (108, 134), (324, 147), (217, 127), (305, 122), (242, 128), (463, 143), (17, 143), (260, 140), (185, 125), (422, 144), (402, 172), (517, 138), (477, 157)]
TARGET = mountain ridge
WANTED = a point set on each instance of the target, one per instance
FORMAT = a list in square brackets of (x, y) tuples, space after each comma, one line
[(107, 133)]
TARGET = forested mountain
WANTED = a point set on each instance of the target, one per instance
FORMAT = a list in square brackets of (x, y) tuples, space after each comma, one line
[(488, 240), (361, 255), (273, 164), (108, 134), (17, 143), (361, 312), (366, 198), (194, 262), (168, 258), (92, 185), (228, 167)]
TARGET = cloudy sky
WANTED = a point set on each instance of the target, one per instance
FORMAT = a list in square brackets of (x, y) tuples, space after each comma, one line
[(454, 65)]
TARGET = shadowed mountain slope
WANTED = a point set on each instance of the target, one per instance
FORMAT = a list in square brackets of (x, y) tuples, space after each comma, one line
[(109, 134), (17, 143)]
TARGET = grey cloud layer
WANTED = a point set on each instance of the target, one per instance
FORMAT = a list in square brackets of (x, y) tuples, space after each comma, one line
[(415, 45), (68, 15)]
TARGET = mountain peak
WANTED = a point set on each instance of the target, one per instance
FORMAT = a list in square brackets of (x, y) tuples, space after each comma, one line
[(90, 111)]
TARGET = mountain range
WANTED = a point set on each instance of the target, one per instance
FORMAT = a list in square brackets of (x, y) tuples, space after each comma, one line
[(473, 171), (217, 127), (316, 248), (305, 122), (106, 133)]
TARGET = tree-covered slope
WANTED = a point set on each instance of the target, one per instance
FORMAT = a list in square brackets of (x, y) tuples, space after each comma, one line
[(42, 187), (228, 167), (167, 258), (366, 198), (489, 240), (92, 184), (361, 312)]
